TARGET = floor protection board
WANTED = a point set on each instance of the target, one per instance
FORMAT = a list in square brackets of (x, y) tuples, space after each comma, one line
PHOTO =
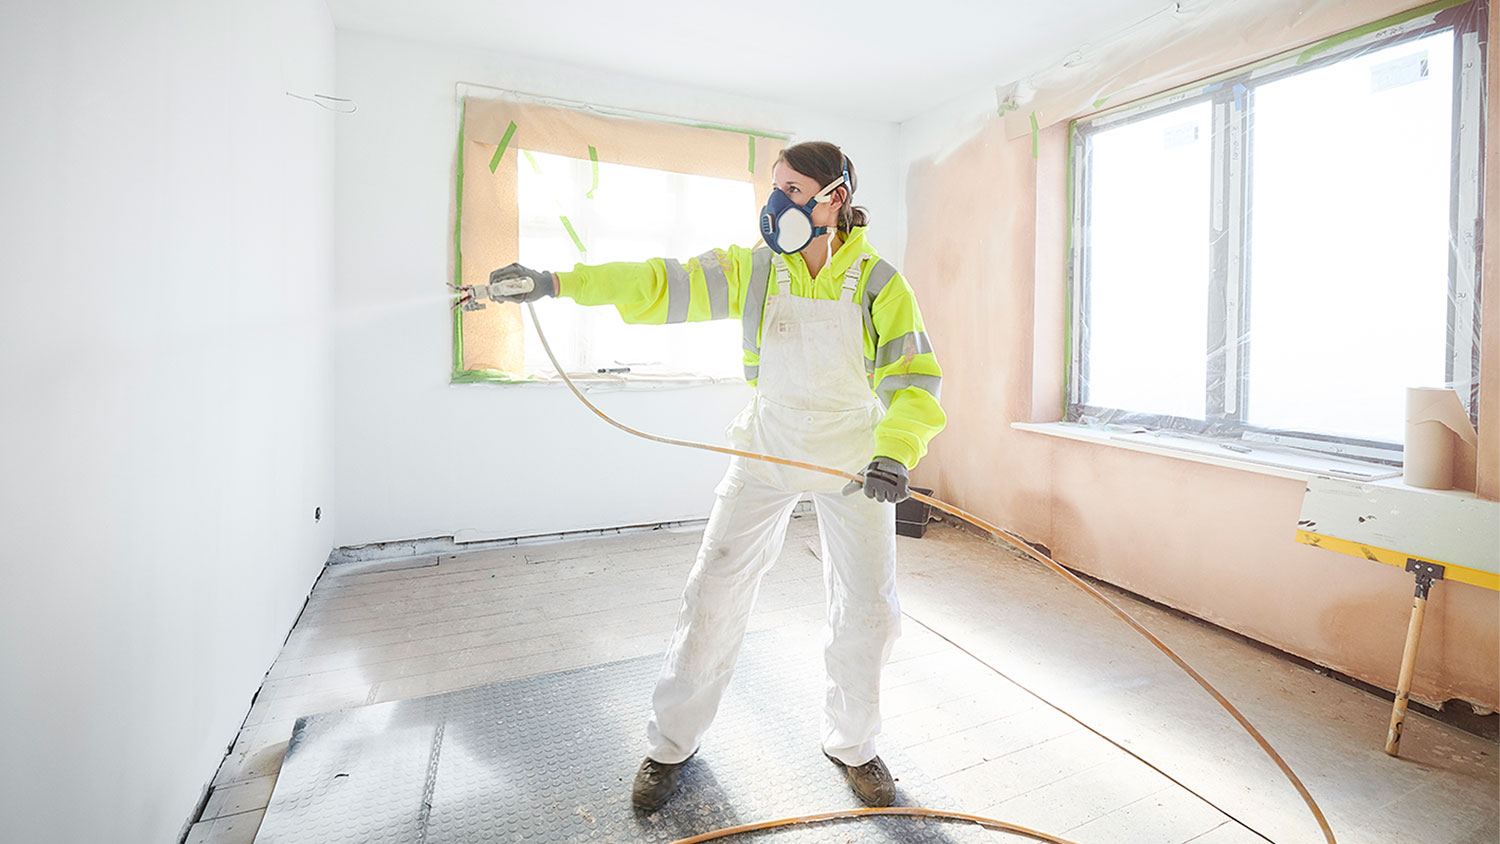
[(550, 758)]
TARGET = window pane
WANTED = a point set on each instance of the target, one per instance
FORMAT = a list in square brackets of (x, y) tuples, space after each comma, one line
[(1349, 240), (1148, 263), (635, 213)]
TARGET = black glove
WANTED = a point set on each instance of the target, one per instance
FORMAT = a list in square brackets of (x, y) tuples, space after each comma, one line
[(545, 284), (885, 481)]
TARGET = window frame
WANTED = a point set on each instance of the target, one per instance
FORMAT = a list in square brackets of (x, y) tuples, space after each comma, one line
[(494, 125), (1228, 342)]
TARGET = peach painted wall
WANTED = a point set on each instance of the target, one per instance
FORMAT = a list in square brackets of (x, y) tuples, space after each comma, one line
[(1489, 380), (988, 229)]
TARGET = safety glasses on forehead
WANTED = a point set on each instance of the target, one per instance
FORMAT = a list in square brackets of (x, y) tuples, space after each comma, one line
[(788, 227)]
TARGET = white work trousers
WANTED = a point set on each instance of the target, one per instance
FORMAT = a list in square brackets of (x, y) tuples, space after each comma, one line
[(743, 538), (813, 403)]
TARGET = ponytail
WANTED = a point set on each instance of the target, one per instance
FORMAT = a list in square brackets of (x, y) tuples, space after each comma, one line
[(824, 163)]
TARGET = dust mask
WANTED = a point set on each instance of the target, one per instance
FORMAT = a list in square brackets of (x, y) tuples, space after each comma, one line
[(788, 227)]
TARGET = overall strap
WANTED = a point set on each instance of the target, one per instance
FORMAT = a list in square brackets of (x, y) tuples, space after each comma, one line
[(783, 279), (851, 278)]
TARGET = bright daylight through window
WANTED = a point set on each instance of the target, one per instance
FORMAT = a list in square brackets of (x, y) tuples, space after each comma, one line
[(1284, 251), (567, 217)]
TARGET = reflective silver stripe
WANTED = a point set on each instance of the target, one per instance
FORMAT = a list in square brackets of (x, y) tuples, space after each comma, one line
[(752, 372), (755, 297), (880, 275), (718, 285), (869, 367), (678, 292), (890, 384), (889, 353)]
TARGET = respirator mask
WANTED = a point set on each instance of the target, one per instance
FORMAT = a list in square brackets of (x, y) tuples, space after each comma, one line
[(788, 227)]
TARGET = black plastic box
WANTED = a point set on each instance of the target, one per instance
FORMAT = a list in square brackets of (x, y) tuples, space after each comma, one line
[(912, 515)]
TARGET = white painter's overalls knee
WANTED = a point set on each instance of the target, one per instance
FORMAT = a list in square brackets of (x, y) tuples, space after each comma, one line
[(814, 404)]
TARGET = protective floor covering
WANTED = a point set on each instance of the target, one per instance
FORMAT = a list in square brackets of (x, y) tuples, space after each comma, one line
[(550, 758)]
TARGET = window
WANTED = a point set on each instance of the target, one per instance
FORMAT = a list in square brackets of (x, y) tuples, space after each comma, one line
[(567, 216), (1279, 253), (552, 185)]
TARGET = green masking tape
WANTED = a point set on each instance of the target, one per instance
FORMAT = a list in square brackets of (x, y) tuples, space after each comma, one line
[(1035, 137), (458, 255), (510, 132), (1411, 14), (573, 234), (752, 152), (535, 167), (1069, 274), (594, 159), (458, 270)]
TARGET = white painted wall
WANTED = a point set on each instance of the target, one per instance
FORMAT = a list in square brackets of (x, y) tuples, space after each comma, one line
[(165, 392), (418, 457)]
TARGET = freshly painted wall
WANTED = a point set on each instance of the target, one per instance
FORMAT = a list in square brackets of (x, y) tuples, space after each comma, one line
[(166, 419), (1214, 541), (418, 457)]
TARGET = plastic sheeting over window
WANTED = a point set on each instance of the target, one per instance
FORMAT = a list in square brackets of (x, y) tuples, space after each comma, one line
[(620, 213), (1283, 251), (1149, 263), (494, 136)]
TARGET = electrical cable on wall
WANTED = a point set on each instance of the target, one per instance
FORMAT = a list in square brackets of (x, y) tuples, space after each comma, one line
[(1021, 545), (322, 101)]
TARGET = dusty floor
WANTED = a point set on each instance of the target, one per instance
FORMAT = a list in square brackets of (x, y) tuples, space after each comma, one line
[(988, 635)]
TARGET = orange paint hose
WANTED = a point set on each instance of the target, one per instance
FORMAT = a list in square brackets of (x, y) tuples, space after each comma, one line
[(1000, 533), (907, 811)]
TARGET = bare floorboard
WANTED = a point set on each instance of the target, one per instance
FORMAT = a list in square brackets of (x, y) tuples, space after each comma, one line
[(989, 638)]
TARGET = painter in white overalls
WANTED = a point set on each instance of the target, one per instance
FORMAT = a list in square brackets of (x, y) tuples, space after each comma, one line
[(845, 377), (813, 403)]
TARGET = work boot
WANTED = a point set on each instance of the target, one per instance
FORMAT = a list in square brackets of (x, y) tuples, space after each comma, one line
[(654, 783), (871, 781)]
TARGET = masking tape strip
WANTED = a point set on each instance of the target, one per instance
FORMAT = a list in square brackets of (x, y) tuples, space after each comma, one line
[(752, 152), (1213, 82), (1411, 14), (489, 376), (593, 160), (458, 255), (573, 234), (755, 133), (1474, 577), (510, 132), (1067, 349), (1035, 137), (531, 159)]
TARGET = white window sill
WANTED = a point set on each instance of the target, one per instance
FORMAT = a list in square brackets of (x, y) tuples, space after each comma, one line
[(1261, 459)]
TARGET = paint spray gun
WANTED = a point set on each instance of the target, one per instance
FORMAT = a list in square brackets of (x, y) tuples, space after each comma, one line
[(472, 298)]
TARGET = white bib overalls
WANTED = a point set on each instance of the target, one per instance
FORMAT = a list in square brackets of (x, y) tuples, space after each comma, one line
[(813, 403)]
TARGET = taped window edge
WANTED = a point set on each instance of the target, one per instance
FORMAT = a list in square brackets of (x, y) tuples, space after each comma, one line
[(1063, 93), (486, 340), (1467, 21)]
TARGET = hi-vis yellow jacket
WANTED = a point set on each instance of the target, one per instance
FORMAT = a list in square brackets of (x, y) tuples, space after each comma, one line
[(733, 282)]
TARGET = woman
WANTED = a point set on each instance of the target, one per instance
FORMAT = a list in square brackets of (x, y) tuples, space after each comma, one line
[(844, 376)]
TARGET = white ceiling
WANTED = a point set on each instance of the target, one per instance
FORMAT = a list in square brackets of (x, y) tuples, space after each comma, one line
[(879, 59)]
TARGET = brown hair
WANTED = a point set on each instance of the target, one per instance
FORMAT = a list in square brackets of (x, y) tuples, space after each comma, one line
[(823, 162)]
